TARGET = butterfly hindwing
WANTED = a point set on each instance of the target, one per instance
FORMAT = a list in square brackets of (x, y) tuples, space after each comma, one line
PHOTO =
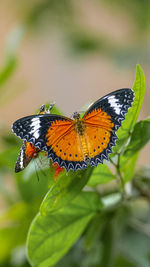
[(26, 154), (21, 162), (65, 149)]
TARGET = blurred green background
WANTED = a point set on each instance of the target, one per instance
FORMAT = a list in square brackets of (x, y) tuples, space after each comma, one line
[(71, 52)]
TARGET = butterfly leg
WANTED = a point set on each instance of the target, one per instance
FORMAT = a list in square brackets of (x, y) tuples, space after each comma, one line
[(50, 107)]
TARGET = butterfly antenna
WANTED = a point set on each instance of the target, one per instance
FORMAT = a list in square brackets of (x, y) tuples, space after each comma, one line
[(42, 171), (37, 175)]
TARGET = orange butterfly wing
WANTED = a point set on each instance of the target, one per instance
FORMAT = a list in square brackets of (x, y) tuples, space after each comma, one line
[(30, 151), (65, 145), (98, 133)]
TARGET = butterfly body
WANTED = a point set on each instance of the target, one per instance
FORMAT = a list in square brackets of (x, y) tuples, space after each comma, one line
[(78, 142)]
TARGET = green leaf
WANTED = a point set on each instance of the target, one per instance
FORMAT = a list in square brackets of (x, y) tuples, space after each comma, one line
[(14, 224), (94, 230), (127, 166), (139, 91), (100, 175), (33, 181), (139, 137), (51, 236), (65, 189), (131, 117)]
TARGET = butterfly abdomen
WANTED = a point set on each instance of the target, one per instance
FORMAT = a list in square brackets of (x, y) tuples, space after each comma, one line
[(84, 146)]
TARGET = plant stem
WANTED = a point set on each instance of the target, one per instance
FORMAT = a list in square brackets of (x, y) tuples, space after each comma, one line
[(119, 175)]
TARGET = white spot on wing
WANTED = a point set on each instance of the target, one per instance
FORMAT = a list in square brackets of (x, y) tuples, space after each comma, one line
[(21, 158), (35, 126), (114, 103)]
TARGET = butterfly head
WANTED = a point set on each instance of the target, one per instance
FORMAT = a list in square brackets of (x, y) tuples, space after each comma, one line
[(76, 115)]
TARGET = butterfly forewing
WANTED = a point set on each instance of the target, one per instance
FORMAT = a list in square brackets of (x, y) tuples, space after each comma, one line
[(115, 105), (34, 128), (102, 121)]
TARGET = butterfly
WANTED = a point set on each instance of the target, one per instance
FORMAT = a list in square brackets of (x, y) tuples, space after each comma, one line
[(28, 151), (79, 142)]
